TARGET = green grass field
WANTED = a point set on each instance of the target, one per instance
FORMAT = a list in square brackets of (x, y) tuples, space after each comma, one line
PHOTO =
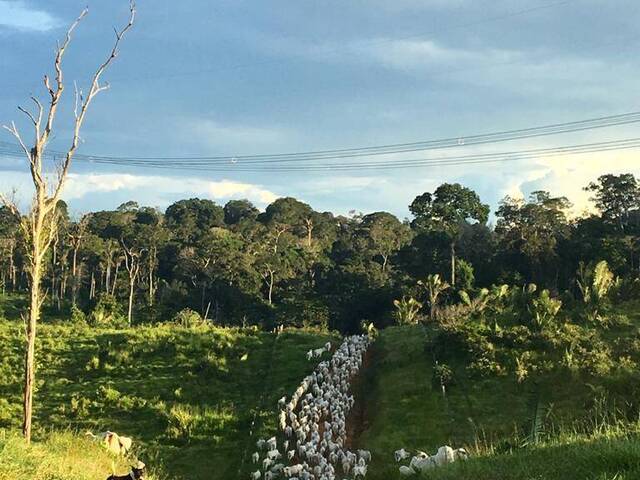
[(62, 456), (489, 418), (187, 396)]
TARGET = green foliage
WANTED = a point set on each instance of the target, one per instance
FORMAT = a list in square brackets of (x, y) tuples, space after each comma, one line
[(447, 207), (370, 329), (77, 316), (530, 232), (594, 284), (615, 196), (407, 310), (60, 455), (544, 310), (442, 374), (107, 312), (434, 287), (188, 318), (465, 277)]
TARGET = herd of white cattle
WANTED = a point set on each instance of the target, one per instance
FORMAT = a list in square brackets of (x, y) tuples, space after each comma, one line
[(313, 423), (421, 461), (311, 443)]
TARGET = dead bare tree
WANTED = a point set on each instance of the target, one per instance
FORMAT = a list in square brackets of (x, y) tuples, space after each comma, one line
[(132, 262), (39, 225), (75, 239)]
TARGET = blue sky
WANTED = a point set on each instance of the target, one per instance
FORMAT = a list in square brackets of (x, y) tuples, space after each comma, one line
[(242, 77)]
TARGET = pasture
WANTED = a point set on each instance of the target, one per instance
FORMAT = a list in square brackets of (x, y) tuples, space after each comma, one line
[(187, 396), (581, 436)]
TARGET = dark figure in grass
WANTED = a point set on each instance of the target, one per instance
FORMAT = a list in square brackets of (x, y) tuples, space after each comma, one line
[(137, 473)]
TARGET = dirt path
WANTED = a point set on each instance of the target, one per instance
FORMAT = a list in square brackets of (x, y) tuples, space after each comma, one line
[(358, 419)]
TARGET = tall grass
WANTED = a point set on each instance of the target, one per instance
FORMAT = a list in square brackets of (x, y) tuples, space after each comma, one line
[(510, 433), (61, 456), (186, 396)]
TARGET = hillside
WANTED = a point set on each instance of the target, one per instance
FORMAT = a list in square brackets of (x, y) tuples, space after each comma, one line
[(490, 419), (62, 456), (188, 396)]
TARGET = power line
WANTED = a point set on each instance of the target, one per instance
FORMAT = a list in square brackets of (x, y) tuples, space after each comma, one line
[(10, 149), (414, 163), (480, 158)]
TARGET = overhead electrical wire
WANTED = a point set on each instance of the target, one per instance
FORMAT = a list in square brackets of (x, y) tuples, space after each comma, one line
[(426, 162), (307, 158), (478, 158)]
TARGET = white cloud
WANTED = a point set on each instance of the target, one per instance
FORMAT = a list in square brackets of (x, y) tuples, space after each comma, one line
[(394, 53), (146, 189), (226, 189), (569, 175), (17, 15), (344, 191), (231, 137), (412, 54)]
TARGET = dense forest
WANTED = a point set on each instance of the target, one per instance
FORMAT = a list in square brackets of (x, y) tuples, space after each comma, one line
[(292, 265)]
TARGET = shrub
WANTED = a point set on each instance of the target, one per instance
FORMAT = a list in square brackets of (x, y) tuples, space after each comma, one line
[(407, 310), (369, 328), (465, 277), (188, 318), (77, 316), (107, 313), (108, 394), (595, 284), (79, 405), (442, 375), (181, 421)]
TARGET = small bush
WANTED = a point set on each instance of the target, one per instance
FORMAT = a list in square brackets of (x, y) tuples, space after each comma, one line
[(92, 364), (181, 421), (107, 313), (108, 394), (188, 318), (79, 405), (77, 316)]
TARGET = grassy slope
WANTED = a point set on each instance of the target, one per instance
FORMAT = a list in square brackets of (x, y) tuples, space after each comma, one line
[(406, 411), (63, 456), (596, 459), (187, 396)]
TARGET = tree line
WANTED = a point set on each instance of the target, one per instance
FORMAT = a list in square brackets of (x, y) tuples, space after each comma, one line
[(292, 265)]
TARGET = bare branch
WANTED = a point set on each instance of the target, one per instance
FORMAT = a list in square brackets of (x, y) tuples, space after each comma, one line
[(57, 93), (10, 203), (14, 131), (40, 112), (30, 115), (93, 91), (77, 99), (48, 85)]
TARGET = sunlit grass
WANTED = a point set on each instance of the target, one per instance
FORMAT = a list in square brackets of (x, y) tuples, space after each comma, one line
[(60, 456), (187, 396), (489, 418)]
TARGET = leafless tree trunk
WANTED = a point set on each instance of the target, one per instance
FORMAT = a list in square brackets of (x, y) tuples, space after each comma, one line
[(132, 258), (54, 264), (115, 277), (111, 257), (309, 228), (39, 226), (153, 258), (92, 289), (75, 239), (453, 263), (269, 277)]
